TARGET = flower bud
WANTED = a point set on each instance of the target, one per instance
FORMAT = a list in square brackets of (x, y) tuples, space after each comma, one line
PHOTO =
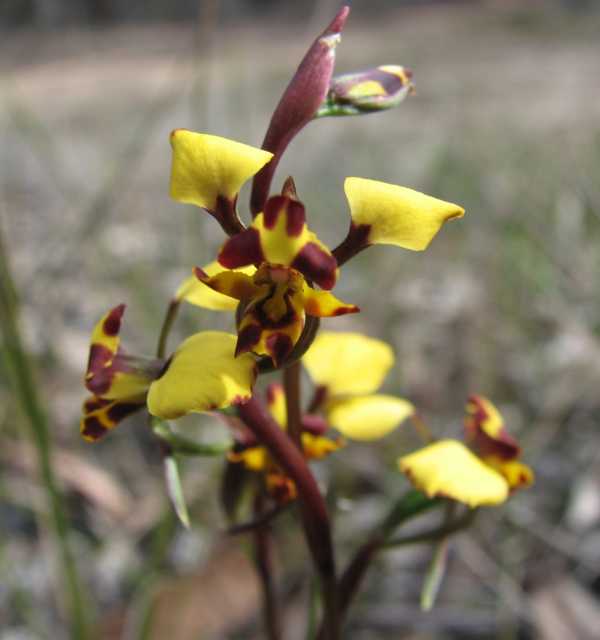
[(375, 89)]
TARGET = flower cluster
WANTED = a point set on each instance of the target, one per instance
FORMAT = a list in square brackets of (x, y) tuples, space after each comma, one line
[(276, 276)]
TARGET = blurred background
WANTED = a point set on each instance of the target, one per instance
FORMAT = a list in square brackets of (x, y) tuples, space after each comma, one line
[(505, 121)]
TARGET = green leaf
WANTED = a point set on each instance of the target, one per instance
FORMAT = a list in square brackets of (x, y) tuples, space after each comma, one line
[(184, 446), (435, 574), (175, 490), (411, 504)]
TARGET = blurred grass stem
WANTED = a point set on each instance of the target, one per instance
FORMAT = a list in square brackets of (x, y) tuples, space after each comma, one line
[(21, 376)]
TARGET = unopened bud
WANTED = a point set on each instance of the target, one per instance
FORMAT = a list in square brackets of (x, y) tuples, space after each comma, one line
[(375, 89)]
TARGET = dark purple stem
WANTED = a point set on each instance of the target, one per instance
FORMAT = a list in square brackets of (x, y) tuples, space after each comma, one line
[(313, 510)]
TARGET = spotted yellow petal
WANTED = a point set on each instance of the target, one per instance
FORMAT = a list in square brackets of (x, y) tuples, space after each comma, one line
[(348, 363), (206, 167), (448, 469), (397, 215), (368, 417), (196, 292), (202, 375), (101, 415), (111, 372)]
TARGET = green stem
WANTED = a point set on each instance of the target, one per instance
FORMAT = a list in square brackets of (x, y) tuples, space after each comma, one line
[(167, 325), (22, 378), (434, 534)]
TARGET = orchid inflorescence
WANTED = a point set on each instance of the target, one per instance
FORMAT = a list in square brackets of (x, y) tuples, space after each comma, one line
[(277, 277)]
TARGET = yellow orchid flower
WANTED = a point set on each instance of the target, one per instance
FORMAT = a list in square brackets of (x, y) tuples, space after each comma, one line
[(277, 298), (202, 375), (347, 369), (484, 477), (255, 457), (208, 171)]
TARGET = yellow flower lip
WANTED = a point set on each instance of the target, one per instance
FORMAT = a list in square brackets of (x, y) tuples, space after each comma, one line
[(275, 302)]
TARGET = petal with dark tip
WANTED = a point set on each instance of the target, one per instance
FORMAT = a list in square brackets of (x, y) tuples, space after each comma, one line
[(323, 304)]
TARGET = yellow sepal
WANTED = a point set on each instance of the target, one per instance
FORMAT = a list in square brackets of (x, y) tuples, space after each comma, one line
[(196, 292), (203, 375), (206, 167), (448, 469), (348, 363), (397, 215), (368, 417)]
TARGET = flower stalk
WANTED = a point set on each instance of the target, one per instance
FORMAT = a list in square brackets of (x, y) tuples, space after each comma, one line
[(313, 511)]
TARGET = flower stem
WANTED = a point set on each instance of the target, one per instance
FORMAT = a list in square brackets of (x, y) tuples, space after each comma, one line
[(19, 370), (291, 386), (167, 325), (263, 557), (313, 511)]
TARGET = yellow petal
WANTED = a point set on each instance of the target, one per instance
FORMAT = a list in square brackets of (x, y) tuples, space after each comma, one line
[(397, 215), (448, 469), (517, 474), (206, 167), (368, 417), (196, 292), (203, 375), (348, 363)]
